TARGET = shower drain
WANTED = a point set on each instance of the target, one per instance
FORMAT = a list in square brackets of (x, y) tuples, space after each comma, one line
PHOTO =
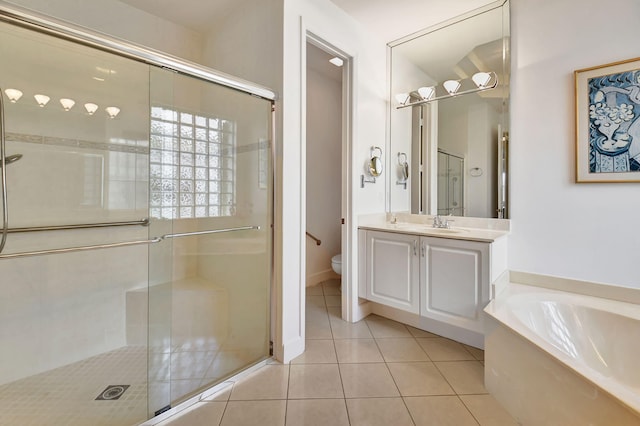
[(112, 392)]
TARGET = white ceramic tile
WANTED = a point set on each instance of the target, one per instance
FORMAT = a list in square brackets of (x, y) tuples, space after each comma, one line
[(332, 300), (439, 410), (317, 352), (314, 290), (487, 411), (416, 332), (317, 412), (315, 381), (357, 351), (201, 413), (268, 382), (378, 412), (367, 380), (441, 349), (383, 327), (477, 353), (401, 349), (466, 377), (419, 379), (318, 329), (252, 413), (347, 330), (332, 287)]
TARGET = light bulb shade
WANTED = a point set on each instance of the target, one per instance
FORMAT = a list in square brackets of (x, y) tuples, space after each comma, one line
[(42, 100), (402, 98), (451, 86), (426, 93), (112, 111), (13, 95), (91, 108), (481, 79), (67, 103)]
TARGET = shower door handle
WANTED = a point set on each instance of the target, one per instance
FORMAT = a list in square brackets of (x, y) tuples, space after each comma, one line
[(3, 174)]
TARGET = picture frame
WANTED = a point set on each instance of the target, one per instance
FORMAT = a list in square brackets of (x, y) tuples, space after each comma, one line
[(608, 122)]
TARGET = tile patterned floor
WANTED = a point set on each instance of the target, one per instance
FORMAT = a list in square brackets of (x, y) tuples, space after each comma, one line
[(374, 372)]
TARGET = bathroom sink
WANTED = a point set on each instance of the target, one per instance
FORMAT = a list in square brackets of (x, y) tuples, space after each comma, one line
[(420, 227), (446, 231)]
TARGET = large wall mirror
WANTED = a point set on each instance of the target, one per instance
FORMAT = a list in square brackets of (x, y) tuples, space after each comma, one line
[(449, 146)]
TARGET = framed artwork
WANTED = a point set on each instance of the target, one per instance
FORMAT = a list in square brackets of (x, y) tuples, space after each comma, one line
[(608, 122)]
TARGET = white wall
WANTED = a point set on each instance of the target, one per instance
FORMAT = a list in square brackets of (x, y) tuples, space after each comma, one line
[(326, 21), (324, 172), (580, 231)]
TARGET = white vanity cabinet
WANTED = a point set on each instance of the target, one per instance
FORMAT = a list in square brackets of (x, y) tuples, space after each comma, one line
[(454, 281), (445, 282), (392, 270)]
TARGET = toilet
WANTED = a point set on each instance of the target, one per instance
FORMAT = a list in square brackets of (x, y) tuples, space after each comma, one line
[(336, 264)]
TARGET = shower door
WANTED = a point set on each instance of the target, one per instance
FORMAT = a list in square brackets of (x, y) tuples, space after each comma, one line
[(210, 189), (137, 266)]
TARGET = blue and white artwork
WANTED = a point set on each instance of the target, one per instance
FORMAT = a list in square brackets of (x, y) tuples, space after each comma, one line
[(614, 123)]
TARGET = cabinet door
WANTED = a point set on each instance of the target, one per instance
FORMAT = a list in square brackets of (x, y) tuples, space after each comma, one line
[(454, 281), (393, 270)]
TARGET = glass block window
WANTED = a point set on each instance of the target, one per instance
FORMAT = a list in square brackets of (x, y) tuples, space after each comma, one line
[(192, 165)]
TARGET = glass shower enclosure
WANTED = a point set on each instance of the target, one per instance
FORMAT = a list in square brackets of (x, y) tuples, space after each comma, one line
[(137, 230)]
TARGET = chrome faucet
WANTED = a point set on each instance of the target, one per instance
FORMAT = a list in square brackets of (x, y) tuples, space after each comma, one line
[(439, 222)]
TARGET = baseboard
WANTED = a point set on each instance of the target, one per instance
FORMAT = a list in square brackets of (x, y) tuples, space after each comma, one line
[(321, 276)]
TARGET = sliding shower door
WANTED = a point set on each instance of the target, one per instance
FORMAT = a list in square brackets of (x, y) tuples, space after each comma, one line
[(137, 265), (73, 332), (210, 189)]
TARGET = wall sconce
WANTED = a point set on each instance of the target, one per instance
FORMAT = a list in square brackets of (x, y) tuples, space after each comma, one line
[(67, 103), (451, 86), (112, 111), (13, 95), (403, 98), (481, 80), (426, 93), (42, 100), (91, 108)]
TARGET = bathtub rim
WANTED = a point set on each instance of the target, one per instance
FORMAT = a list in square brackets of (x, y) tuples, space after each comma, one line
[(498, 309)]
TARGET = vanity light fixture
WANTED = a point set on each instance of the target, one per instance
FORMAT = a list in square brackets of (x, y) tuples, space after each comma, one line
[(42, 100), (451, 86), (426, 93), (481, 79), (336, 61), (91, 108), (403, 98), (13, 95), (67, 103), (112, 111)]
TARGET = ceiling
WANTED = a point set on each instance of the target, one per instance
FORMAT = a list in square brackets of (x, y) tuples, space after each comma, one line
[(388, 20)]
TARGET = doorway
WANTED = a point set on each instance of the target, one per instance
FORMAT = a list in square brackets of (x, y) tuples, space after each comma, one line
[(327, 173)]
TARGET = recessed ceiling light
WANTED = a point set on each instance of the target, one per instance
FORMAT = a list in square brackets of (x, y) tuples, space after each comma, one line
[(336, 61)]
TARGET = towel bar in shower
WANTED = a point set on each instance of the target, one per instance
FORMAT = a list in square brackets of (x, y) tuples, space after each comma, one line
[(123, 244), (141, 222)]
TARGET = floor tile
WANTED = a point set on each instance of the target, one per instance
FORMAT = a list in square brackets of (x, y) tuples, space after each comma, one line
[(441, 349), (333, 300), (315, 313), (465, 377), (378, 412), (357, 350), (334, 312), (268, 382), (416, 332), (347, 330), (487, 411), (315, 381), (367, 380), (317, 412), (477, 353), (222, 395), (332, 287), (314, 290), (317, 352), (253, 413), (419, 379), (201, 413), (318, 329), (439, 410), (382, 327), (401, 349)]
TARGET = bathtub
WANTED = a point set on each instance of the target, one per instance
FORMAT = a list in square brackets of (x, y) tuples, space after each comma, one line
[(559, 358)]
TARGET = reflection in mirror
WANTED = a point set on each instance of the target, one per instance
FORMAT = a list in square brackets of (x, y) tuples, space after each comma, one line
[(454, 137)]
